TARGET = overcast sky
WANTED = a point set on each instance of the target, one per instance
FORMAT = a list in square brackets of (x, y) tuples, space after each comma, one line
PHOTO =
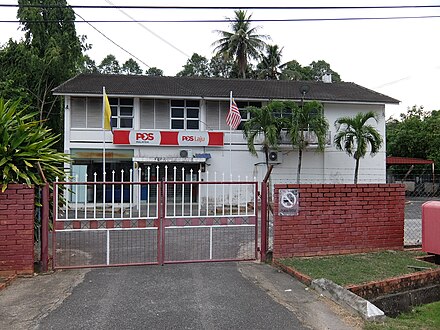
[(399, 57)]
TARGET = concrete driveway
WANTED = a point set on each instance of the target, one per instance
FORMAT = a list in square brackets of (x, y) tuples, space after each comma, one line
[(186, 296)]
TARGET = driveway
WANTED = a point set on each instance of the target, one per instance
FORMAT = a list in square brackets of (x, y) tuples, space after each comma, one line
[(186, 296)]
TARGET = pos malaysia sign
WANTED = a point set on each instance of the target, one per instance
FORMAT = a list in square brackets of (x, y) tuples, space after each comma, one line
[(168, 138)]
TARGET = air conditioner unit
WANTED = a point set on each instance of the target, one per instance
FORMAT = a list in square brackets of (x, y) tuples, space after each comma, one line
[(275, 157), (185, 153)]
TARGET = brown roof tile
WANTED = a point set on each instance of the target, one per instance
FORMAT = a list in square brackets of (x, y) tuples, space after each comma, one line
[(219, 88)]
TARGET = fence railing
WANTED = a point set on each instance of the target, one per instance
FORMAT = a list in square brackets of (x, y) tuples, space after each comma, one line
[(421, 185), (77, 198)]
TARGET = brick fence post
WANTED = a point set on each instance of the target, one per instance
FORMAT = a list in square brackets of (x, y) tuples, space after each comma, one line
[(17, 211)]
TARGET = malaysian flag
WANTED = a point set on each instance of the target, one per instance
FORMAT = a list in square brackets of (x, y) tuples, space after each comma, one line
[(234, 118)]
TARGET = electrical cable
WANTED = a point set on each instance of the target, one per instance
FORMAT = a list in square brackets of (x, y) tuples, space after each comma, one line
[(113, 42)]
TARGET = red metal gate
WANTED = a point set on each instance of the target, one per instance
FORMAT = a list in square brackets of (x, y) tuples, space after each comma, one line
[(99, 224)]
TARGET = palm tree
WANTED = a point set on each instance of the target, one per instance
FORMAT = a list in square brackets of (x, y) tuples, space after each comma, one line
[(354, 135), (269, 66), (263, 123), (305, 121), (242, 42)]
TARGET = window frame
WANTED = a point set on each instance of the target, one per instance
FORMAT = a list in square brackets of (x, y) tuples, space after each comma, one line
[(186, 118), (117, 116), (246, 115)]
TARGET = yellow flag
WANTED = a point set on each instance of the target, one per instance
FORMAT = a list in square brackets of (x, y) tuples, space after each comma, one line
[(107, 114)]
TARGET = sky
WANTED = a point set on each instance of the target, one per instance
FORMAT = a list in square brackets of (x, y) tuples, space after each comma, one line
[(396, 57)]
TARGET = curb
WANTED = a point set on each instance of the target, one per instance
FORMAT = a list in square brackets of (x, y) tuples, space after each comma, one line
[(7, 281), (337, 293), (293, 272), (342, 296)]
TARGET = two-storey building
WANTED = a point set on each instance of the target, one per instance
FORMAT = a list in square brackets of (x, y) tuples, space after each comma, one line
[(175, 126)]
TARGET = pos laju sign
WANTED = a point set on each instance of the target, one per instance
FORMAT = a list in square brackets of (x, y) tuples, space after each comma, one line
[(168, 138), (288, 202)]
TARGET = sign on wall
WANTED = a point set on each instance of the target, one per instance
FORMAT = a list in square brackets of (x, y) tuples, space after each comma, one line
[(168, 138), (288, 202)]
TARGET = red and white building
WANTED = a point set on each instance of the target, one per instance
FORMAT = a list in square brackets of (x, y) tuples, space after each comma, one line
[(174, 126)]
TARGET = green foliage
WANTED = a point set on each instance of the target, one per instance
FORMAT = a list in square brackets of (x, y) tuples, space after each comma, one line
[(196, 66), (242, 42), (309, 117), (359, 268), (153, 71), (425, 317), (354, 136), (25, 145), (131, 67), (270, 62), (292, 70), (50, 54), (416, 128), (264, 124), (221, 66), (109, 65)]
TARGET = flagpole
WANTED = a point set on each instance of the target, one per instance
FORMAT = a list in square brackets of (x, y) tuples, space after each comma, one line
[(230, 139), (103, 136)]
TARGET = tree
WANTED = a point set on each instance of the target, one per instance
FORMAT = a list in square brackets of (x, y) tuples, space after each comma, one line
[(109, 65), (241, 43), (292, 70), (196, 66), (88, 65), (354, 136), (306, 120), (49, 54), (317, 69), (268, 68), (405, 136), (221, 66), (153, 71), (26, 145), (264, 124), (131, 67)]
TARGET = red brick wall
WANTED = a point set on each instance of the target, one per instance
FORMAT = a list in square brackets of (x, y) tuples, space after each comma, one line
[(340, 219), (17, 230)]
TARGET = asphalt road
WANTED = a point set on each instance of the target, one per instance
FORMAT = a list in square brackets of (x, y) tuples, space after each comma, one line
[(191, 296)]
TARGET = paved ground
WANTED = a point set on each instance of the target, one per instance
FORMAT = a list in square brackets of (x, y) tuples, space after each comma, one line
[(187, 296)]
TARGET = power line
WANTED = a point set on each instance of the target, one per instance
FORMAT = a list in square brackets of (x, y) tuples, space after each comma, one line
[(113, 42), (149, 30), (227, 7), (228, 21)]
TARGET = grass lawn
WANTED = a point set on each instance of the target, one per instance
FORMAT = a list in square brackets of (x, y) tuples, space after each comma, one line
[(426, 317), (359, 268)]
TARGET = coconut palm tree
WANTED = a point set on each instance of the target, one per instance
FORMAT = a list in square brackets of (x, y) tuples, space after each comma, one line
[(268, 68), (242, 42), (305, 121), (354, 136), (264, 124)]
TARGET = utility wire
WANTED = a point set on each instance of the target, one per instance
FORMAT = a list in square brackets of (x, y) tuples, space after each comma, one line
[(149, 30), (228, 7), (113, 42), (232, 20)]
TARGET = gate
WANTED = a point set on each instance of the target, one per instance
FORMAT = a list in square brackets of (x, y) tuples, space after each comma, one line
[(99, 224)]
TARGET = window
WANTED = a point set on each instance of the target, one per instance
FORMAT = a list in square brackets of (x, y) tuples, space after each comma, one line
[(245, 115), (122, 112), (185, 114)]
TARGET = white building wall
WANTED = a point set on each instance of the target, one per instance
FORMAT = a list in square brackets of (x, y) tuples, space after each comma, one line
[(331, 166)]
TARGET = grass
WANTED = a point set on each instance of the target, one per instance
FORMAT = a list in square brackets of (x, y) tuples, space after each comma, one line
[(359, 268), (426, 317)]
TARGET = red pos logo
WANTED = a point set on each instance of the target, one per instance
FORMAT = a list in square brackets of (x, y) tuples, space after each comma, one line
[(144, 136), (187, 137)]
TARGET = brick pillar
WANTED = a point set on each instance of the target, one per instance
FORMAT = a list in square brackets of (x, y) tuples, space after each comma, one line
[(17, 210)]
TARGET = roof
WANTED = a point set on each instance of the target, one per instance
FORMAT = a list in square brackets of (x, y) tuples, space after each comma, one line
[(219, 87), (407, 161)]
